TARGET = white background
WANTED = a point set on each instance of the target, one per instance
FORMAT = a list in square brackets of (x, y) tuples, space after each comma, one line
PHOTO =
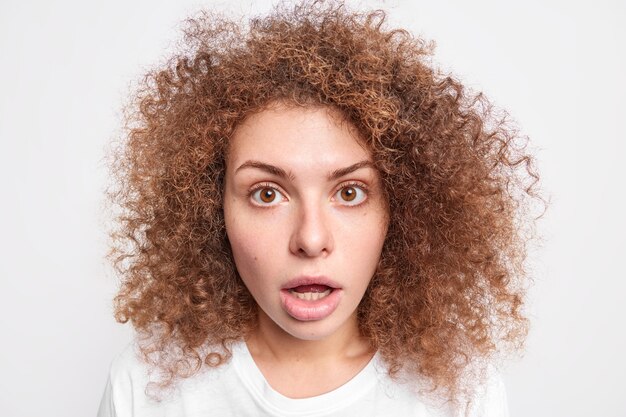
[(66, 67)]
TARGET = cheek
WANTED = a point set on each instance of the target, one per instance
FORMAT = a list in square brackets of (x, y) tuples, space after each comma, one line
[(365, 244), (240, 236), (245, 251), (365, 234), (366, 252), (250, 251)]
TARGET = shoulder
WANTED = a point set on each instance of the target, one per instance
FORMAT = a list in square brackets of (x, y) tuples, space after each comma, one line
[(490, 399), (128, 377), (133, 390), (413, 397), (127, 362)]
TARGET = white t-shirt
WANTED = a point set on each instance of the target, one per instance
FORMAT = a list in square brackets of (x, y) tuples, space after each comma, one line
[(238, 388)]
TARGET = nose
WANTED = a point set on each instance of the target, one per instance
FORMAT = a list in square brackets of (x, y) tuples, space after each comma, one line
[(312, 235)]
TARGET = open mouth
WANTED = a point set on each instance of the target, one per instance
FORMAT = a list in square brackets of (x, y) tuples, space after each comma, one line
[(310, 298), (311, 292)]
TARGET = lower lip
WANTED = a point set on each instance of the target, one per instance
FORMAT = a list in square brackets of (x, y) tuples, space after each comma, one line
[(310, 310)]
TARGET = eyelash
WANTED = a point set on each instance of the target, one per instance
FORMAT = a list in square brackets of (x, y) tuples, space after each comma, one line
[(359, 185), (354, 184), (261, 186)]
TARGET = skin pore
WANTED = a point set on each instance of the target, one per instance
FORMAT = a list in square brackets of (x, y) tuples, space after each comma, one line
[(302, 201)]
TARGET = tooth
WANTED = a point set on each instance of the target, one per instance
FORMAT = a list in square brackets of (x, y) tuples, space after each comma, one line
[(311, 296)]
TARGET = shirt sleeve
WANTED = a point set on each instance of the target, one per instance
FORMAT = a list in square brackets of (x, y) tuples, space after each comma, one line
[(118, 396), (492, 400), (107, 409)]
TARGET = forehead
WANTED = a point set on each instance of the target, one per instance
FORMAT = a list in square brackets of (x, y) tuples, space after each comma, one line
[(295, 135)]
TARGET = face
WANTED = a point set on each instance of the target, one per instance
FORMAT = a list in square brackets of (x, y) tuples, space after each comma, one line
[(305, 218)]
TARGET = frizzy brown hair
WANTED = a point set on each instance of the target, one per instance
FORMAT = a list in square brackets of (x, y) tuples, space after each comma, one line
[(450, 285)]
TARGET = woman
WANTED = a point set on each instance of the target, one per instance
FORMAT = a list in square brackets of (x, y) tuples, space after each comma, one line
[(319, 224)]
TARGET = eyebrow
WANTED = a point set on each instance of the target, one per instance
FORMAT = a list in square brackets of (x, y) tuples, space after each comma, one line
[(338, 173), (274, 170)]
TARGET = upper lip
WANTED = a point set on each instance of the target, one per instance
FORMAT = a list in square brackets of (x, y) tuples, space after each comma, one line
[(310, 280)]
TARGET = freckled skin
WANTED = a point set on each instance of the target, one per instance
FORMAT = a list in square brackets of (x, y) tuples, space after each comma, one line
[(307, 229)]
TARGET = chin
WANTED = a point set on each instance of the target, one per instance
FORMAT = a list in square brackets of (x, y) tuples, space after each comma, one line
[(311, 330)]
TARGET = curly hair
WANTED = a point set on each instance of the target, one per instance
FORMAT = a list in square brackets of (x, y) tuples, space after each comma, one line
[(450, 285)]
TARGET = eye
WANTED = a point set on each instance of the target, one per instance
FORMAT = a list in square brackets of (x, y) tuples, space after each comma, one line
[(266, 195), (352, 194)]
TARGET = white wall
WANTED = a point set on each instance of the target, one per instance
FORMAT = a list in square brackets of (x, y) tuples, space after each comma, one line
[(558, 67)]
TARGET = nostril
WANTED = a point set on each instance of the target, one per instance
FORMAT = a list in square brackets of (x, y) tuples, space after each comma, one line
[(309, 241)]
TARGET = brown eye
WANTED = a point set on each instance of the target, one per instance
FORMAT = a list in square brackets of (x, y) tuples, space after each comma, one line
[(266, 196), (348, 193), (351, 195)]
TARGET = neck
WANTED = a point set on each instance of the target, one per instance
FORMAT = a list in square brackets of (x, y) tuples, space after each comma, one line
[(270, 342)]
